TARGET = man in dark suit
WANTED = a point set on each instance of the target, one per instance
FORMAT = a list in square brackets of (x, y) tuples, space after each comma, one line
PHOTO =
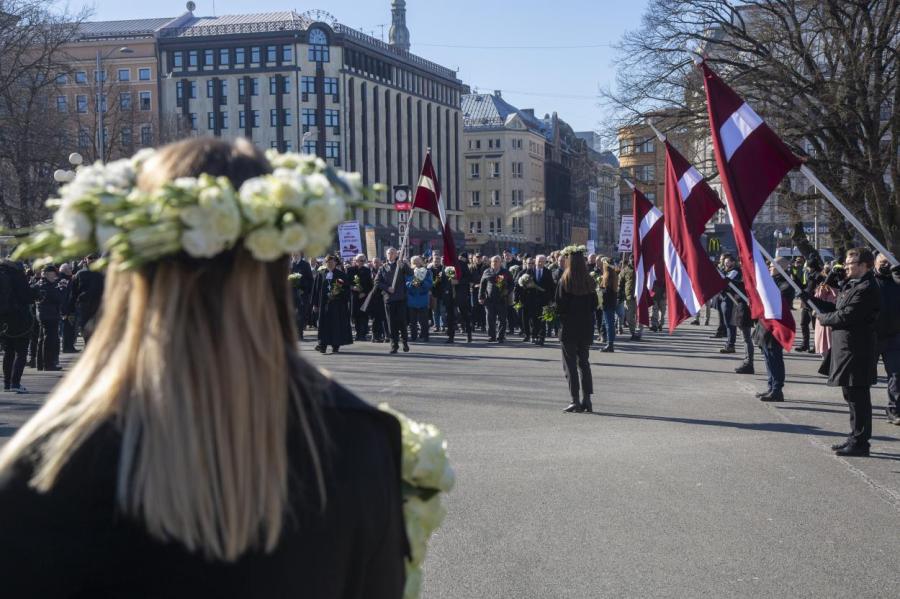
[(463, 295), (85, 296), (361, 284), (888, 329), (493, 294), (302, 291), (391, 281), (476, 271), (376, 309), (852, 358), (543, 278)]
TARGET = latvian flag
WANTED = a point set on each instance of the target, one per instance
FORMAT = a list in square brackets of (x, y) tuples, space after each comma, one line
[(690, 202), (646, 249), (428, 198), (752, 161)]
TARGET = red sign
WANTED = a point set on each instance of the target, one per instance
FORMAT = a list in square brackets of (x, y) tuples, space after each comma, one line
[(403, 206)]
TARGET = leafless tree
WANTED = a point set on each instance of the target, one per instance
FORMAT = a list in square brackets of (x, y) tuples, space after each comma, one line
[(823, 73)]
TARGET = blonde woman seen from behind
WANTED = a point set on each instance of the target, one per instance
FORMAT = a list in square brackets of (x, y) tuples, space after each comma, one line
[(191, 452)]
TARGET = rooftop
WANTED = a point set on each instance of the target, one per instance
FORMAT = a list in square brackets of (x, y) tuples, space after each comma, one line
[(492, 111), (129, 28)]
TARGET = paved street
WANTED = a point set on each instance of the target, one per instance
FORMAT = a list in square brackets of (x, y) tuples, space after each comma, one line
[(680, 485)]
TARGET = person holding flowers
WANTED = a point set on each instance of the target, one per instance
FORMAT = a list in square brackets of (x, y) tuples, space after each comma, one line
[(191, 451), (418, 290), (301, 283), (361, 284), (463, 294), (334, 308), (576, 301), (448, 299), (493, 294)]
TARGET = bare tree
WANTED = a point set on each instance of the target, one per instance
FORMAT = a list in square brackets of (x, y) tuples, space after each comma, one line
[(32, 133), (824, 74)]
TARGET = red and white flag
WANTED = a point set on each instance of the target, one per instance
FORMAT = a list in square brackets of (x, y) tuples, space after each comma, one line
[(752, 161), (428, 198), (691, 278), (646, 250)]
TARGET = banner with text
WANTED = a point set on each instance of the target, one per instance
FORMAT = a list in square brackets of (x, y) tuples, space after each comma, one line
[(626, 233), (350, 240)]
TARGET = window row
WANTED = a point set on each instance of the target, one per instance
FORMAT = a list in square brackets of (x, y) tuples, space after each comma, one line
[(404, 79), (517, 198), (636, 146), (329, 85), (126, 137), (101, 103), (123, 75), (236, 57), (518, 170)]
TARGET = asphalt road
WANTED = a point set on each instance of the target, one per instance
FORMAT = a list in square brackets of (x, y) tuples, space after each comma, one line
[(681, 484)]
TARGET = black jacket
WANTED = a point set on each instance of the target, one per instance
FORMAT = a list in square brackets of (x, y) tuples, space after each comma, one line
[(888, 324), (490, 291), (49, 300), (16, 319), (385, 280), (576, 316), (86, 292), (302, 268), (852, 357)]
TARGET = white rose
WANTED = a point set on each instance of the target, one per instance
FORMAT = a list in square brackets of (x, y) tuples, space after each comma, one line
[(256, 203), (293, 238), (106, 232), (225, 223), (264, 244), (420, 273), (200, 243), (73, 225), (186, 183), (318, 185)]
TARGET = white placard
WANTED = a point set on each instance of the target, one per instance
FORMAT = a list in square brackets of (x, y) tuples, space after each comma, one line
[(350, 240), (626, 233)]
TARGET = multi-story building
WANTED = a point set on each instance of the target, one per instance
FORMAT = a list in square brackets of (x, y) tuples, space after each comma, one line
[(607, 197), (109, 96), (504, 175), (301, 82)]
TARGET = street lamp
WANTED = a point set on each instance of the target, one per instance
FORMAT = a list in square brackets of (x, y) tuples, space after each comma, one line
[(122, 50)]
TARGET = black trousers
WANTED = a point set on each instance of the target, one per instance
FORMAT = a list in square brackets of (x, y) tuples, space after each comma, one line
[(379, 323), (496, 311), (465, 317), (479, 318), (860, 401), (301, 311), (15, 353), (528, 328), (396, 321), (418, 323), (361, 324), (450, 319), (68, 334), (48, 344), (805, 320), (577, 367)]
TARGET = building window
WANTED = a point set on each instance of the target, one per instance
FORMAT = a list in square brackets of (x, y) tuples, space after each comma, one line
[(224, 117), (308, 117), (84, 138), (495, 197), (179, 91), (495, 169), (211, 120), (273, 85), (81, 77), (125, 137), (208, 59), (242, 119), (474, 170), (254, 54), (210, 88), (318, 46), (240, 56), (125, 100), (331, 86), (99, 76), (147, 135), (517, 170), (646, 147), (62, 104), (144, 74), (224, 56), (475, 198), (81, 104), (254, 118), (192, 58), (178, 60), (271, 54), (309, 147), (332, 117), (333, 149), (491, 228), (62, 79), (308, 84), (145, 100), (103, 105), (124, 74), (193, 119), (499, 224), (224, 91), (287, 53)]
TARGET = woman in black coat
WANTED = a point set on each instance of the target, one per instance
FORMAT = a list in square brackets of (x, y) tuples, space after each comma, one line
[(334, 309), (576, 302), (852, 359)]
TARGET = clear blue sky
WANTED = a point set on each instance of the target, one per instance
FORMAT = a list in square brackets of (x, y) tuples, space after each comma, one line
[(561, 80)]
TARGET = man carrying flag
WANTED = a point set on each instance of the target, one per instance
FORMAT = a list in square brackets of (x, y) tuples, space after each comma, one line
[(646, 249), (428, 198)]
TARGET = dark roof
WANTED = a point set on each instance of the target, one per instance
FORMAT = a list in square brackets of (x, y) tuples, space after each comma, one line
[(129, 28), (491, 110)]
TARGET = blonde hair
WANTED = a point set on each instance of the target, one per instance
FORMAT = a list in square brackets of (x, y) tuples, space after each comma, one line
[(192, 359)]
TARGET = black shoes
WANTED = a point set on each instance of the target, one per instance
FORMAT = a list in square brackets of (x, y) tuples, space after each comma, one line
[(763, 393), (608, 349), (405, 347), (449, 340), (574, 407), (492, 339), (394, 348), (853, 451), (321, 349), (839, 446), (634, 338), (773, 396), (744, 369), (469, 338), (727, 350), (526, 339), (586, 404)]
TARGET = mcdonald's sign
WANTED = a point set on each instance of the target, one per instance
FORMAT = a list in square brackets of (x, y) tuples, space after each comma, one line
[(713, 245)]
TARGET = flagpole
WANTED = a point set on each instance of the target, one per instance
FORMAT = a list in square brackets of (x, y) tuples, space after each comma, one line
[(807, 172), (786, 276)]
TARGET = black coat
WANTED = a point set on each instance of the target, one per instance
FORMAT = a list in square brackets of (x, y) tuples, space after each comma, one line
[(385, 280), (16, 319), (490, 292), (73, 542), (547, 284), (576, 316), (888, 324), (302, 268), (49, 300), (852, 358), (86, 291), (334, 312), (366, 282), (740, 314)]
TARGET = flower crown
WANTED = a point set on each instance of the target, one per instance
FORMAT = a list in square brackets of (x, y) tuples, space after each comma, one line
[(293, 209), (574, 249)]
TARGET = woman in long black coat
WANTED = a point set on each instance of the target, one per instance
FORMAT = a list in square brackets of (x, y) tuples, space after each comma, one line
[(852, 359), (576, 302), (334, 308)]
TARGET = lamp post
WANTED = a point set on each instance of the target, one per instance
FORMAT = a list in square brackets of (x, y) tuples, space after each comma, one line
[(100, 140)]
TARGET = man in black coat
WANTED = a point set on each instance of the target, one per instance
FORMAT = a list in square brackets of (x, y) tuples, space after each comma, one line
[(376, 309), (391, 281), (49, 306), (851, 361), (302, 292), (740, 318), (16, 323), (361, 283), (463, 295), (334, 312), (476, 270), (86, 292), (68, 316), (493, 294), (888, 331)]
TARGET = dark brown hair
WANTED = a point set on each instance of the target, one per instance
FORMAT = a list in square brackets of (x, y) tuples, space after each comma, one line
[(576, 279), (863, 255)]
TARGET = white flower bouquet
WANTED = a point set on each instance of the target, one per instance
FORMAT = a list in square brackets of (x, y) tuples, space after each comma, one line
[(426, 475), (450, 273), (293, 209)]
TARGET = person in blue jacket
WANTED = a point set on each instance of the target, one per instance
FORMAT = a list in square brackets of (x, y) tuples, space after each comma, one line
[(418, 288)]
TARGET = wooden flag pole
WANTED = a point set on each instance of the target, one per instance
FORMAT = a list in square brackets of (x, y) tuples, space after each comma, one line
[(807, 172)]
